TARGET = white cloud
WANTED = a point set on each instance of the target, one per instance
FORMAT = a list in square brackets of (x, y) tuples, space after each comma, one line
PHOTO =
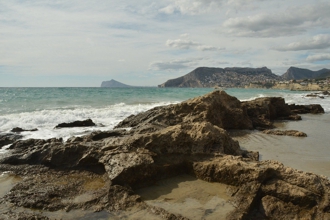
[(209, 48), (318, 57), (321, 41), (188, 44), (191, 7), (176, 64), (181, 43), (293, 21)]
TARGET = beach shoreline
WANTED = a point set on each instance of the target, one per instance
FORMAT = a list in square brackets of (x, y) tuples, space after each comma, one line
[(308, 154)]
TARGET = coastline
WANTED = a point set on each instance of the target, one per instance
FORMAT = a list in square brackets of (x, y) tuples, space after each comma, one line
[(102, 170), (291, 86)]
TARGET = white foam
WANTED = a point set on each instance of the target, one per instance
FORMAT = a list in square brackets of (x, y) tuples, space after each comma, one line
[(45, 120), (4, 149)]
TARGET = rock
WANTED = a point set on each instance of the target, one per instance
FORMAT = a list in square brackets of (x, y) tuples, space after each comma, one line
[(312, 95), (218, 108), (262, 111), (85, 123), (267, 189), (101, 170), (286, 133), (317, 95), (6, 139), (326, 93), (304, 109), (18, 129)]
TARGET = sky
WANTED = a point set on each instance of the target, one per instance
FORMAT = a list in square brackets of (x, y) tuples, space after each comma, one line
[(54, 43)]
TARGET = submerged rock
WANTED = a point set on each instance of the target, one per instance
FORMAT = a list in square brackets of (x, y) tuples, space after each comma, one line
[(85, 123), (304, 109), (187, 138), (18, 129), (286, 132)]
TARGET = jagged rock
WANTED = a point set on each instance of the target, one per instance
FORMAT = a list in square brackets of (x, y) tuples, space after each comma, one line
[(187, 138), (85, 123), (268, 189), (304, 109), (286, 132), (18, 129), (262, 111), (6, 139), (217, 107)]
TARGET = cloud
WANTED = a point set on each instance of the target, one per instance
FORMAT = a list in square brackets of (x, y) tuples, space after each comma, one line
[(321, 41), (188, 44), (191, 7), (293, 21), (244, 4), (318, 57), (175, 64), (181, 43)]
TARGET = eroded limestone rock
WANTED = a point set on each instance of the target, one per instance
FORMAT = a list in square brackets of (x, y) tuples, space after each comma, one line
[(187, 138)]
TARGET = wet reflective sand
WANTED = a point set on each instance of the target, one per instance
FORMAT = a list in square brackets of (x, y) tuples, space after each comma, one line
[(311, 153)]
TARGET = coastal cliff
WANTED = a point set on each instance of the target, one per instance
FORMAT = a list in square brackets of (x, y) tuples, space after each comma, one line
[(101, 171)]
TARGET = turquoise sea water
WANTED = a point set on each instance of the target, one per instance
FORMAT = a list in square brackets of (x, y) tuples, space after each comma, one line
[(44, 108)]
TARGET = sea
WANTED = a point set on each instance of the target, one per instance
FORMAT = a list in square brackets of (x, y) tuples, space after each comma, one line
[(44, 108)]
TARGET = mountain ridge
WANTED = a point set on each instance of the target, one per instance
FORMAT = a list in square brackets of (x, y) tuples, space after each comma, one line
[(222, 77), (295, 73)]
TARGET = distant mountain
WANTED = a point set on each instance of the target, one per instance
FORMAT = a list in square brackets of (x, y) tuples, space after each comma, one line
[(114, 84), (324, 75), (218, 77), (294, 73)]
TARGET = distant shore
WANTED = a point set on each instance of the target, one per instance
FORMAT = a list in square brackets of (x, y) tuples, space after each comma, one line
[(293, 86)]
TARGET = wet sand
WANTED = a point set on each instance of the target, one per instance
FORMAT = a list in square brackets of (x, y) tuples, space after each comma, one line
[(310, 154), (190, 197)]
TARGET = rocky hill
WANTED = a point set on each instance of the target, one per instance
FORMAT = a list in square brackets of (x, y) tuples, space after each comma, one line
[(295, 73), (113, 84), (324, 75), (219, 77)]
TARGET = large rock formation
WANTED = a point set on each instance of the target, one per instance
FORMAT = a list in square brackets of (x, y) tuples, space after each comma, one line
[(227, 77), (100, 171)]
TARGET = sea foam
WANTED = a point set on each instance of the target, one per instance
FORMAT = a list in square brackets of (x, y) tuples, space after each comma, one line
[(45, 120)]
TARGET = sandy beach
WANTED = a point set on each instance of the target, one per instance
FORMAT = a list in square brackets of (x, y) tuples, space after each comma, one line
[(309, 154)]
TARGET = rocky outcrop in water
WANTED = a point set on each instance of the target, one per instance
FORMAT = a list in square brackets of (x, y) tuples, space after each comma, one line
[(304, 109), (102, 170), (286, 133), (18, 130), (84, 123)]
